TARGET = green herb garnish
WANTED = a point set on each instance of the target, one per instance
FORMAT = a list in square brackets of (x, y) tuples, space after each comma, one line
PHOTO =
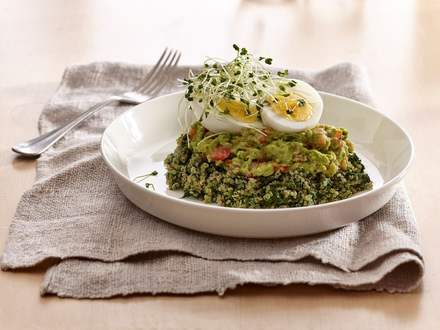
[(245, 79), (141, 178)]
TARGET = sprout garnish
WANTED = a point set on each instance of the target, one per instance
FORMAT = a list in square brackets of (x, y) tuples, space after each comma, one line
[(244, 79)]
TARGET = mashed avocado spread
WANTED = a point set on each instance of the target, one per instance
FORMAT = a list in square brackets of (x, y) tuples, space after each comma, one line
[(266, 169)]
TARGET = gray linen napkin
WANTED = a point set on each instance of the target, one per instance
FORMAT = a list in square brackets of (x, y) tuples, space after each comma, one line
[(106, 246)]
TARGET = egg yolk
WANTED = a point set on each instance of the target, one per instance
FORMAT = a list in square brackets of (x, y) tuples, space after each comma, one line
[(293, 108), (238, 110)]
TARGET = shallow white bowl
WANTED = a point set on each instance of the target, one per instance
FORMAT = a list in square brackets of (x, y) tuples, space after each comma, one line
[(138, 141)]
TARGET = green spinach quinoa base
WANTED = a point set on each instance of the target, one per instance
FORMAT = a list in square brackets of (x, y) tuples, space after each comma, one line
[(268, 169)]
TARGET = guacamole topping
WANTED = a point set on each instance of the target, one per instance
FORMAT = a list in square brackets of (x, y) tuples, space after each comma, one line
[(266, 169)]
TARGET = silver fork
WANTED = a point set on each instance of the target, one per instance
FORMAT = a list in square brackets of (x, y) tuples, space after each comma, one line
[(151, 85)]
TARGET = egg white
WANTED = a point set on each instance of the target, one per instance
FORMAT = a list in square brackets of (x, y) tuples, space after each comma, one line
[(278, 123)]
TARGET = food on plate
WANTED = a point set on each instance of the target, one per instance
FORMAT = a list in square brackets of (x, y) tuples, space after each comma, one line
[(243, 93), (256, 141), (277, 169)]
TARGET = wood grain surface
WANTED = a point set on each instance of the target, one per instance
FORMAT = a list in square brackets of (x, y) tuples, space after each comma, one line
[(397, 42)]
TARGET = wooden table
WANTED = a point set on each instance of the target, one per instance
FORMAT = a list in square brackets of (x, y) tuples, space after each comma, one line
[(397, 41)]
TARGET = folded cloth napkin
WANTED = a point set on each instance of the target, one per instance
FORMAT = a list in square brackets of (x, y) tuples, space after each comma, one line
[(106, 246)]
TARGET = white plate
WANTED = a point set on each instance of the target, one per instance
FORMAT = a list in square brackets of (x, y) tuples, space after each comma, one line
[(138, 141)]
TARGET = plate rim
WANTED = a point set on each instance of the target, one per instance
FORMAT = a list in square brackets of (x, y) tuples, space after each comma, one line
[(396, 179)]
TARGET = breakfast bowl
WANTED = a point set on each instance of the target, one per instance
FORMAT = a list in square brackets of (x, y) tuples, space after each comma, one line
[(138, 141)]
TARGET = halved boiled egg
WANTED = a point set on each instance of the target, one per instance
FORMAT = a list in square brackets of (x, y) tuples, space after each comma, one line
[(228, 115), (298, 108)]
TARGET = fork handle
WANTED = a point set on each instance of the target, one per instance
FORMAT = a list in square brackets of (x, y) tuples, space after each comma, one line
[(36, 146)]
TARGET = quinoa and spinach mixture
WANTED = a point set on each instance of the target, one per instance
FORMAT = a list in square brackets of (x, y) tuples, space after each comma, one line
[(266, 169)]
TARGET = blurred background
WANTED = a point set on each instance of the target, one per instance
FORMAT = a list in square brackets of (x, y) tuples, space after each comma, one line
[(39, 38)]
